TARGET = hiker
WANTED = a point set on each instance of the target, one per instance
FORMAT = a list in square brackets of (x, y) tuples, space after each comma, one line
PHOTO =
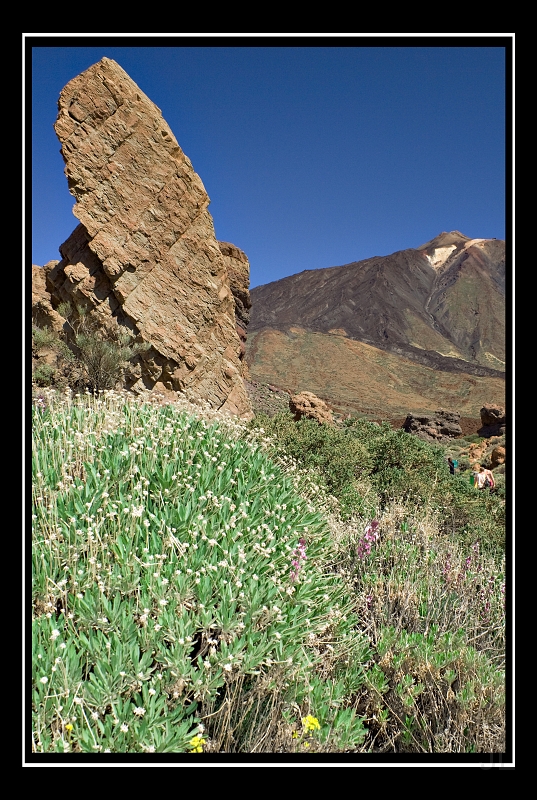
[(452, 465), (484, 479)]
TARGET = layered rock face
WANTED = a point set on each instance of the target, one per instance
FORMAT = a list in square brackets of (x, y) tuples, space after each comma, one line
[(238, 269), (42, 312), (145, 255)]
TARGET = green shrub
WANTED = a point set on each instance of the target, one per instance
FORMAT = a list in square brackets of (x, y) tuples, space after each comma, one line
[(63, 372), (338, 460), (178, 581), (192, 595), (43, 374), (367, 466), (474, 438), (428, 693)]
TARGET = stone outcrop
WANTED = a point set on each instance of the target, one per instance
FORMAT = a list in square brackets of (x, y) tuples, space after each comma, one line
[(308, 405), (440, 427), (492, 421), (145, 255)]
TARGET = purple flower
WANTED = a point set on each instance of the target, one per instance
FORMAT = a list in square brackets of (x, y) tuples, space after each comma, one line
[(298, 556), (369, 538)]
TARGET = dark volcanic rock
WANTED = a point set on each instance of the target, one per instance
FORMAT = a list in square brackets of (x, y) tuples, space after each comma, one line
[(440, 427), (492, 421)]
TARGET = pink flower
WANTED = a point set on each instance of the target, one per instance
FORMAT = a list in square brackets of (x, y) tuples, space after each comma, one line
[(369, 538), (298, 556)]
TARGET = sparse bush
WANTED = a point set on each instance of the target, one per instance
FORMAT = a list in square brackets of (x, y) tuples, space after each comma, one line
[(103, 354), (44, 337), (87, 357)]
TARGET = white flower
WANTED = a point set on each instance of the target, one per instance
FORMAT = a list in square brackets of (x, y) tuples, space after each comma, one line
[(124, 727), (228, 667), (95, 715), (44, 679), (139, 711), (54, 634)]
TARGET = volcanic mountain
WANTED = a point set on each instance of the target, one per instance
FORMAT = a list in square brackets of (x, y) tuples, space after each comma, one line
[(416, 330)]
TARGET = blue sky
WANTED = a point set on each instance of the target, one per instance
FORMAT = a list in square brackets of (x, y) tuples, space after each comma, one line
[(314, 152)]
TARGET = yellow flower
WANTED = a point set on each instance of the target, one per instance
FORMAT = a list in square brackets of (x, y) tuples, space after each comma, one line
[(69, 727), (310, 723), (196, 743)]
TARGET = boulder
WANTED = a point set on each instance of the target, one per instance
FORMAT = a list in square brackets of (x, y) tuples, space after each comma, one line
[(145, 255), (492, 421), (306, 404), (497, 456), (440, 427)]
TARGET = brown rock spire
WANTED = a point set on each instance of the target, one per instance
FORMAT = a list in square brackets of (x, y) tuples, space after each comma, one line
[(145, 255)]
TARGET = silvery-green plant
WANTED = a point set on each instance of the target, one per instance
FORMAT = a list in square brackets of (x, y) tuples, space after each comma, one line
[(162, 597)]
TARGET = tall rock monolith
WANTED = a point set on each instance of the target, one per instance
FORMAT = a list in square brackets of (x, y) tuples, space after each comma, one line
[(145, 255)]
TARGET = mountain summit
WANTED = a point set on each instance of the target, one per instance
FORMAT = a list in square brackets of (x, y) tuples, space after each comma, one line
[(440, 305)]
